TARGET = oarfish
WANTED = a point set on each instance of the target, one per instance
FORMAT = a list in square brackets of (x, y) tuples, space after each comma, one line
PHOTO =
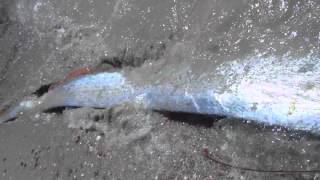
[(275, 91)]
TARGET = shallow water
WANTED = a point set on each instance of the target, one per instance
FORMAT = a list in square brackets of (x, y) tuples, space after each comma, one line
[(180, 42)]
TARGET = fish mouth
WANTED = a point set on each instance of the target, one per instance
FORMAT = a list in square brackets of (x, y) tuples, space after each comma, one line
[(4, 118), (2, 110), (14, 111)]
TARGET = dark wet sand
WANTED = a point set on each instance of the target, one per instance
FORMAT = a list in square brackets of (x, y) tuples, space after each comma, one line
[(40, 41)]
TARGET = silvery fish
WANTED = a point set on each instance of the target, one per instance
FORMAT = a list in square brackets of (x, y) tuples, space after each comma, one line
[(270, 90)]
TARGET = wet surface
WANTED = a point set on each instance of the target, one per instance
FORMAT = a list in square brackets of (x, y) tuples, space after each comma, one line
[(42, 40)]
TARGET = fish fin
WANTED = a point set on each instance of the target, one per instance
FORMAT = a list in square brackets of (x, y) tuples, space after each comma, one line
[(78, 72), (72, 75)]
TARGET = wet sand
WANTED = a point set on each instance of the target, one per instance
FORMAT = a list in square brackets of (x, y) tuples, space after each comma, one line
[(42, 40)]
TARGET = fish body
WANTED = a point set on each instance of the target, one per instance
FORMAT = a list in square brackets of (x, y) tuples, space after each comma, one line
[(268, 90)]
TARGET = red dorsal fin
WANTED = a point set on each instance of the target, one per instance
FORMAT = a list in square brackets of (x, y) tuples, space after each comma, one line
[(78, 72), (73, 74)]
